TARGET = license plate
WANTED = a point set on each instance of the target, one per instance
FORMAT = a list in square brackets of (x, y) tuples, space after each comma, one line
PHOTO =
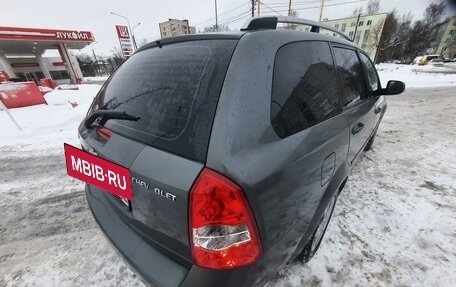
[(99, 172)]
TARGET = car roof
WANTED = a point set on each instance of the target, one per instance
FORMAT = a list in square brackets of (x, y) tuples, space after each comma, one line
[(273, 31), (192, 37)]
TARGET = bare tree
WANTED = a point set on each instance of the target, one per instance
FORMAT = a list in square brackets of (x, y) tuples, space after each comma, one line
[(294, 13), (117, 57), (213, 28), (86, 63), (142, 42), (395, 34), (357, 11), (424, 32), (373, 7)]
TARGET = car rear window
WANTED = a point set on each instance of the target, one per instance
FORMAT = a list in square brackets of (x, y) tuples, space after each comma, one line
[(175, 90)]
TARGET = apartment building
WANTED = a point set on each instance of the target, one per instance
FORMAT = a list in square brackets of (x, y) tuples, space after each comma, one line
[(175, 27), (368, 30), (446, 45)]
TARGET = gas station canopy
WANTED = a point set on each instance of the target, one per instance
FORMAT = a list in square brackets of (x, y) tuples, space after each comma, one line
[(23, 40), (34, 41)]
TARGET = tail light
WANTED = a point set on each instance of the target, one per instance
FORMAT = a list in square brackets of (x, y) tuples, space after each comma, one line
[(223, 232)]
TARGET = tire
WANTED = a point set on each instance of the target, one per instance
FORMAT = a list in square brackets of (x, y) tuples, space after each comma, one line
[(370, 143), (317, 236)]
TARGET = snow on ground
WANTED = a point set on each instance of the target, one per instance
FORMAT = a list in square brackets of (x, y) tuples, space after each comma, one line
[(48, 126), (415, 76), (95, 80), (394, 223)]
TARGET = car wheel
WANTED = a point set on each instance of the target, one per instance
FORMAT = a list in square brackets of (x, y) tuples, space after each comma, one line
[(317, 236)]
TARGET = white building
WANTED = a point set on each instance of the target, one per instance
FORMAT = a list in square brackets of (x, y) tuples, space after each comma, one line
[(30, 68), (175, 27), (22, 53), (368, 30)]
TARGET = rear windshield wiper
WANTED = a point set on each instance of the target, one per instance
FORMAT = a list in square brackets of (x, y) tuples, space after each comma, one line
[(107, 115)]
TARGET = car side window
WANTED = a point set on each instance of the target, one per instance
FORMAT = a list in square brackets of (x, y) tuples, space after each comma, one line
[(372, 78), (352, 83), (304, 90)]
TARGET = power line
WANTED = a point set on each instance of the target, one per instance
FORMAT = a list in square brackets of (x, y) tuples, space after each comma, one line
[(294, 4), (314, 7), (236, 18), (224, 13), (275, 9), (271, 9)]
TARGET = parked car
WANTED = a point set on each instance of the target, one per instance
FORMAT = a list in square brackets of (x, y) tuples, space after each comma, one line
[(437, 62), (238, 145), (427, 58), (417, 60)]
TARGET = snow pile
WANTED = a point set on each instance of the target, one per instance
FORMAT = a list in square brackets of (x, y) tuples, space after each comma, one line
[(45, 89), (48, 126), (67, 87), (415, 76), (12, 86), (85, 93), (95, 80)]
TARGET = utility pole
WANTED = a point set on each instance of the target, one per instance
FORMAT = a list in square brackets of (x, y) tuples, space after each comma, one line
[(289, 8), (94, 56), (258, 14), (216, 17), (133, 35), (356, 28), (321, 9), (96, 61), (253, 8)]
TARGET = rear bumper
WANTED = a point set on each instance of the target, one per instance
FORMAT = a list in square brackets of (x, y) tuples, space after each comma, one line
[(149, 263), (153, 266)]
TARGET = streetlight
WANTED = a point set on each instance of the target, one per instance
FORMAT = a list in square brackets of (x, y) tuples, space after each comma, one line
[(93, 51), (97, 71), (133, 34), (132, 38)]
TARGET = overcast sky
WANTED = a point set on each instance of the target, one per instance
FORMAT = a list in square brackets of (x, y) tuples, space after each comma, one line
[(94, 15)]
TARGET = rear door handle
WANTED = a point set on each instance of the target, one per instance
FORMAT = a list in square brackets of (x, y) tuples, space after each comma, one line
[(357, 128), (377, 110)]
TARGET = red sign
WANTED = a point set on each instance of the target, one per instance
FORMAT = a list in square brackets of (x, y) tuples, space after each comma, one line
[(16, 95), (98, 172), (122, 32), (3, 76), (58, 64), (16, 33), (124, 40)]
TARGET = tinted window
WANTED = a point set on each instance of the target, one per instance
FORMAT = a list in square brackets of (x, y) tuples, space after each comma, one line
[(350, 74), (304, 90), (371, 73), (174, 89)]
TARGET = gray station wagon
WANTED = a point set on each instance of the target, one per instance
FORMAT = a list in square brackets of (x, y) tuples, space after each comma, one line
[(238, 146)]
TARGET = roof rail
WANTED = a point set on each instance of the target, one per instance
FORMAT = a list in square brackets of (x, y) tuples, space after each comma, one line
[(270, 22)]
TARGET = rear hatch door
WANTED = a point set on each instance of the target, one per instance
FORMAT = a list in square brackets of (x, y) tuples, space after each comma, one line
[(174, 89)]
